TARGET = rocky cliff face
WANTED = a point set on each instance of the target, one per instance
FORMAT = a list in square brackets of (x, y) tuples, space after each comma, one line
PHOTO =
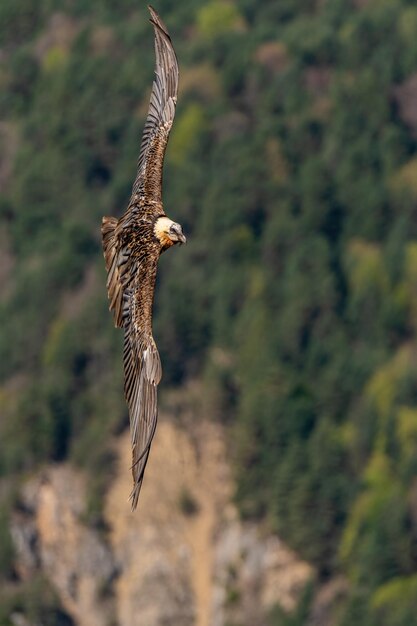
[(183, 559)]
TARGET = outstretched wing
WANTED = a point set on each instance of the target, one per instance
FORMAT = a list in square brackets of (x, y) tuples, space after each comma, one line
[(131, 260), (161, 113), (131, 285), (142, 371)]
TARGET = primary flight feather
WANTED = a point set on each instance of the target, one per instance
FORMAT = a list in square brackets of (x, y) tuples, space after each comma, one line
[(132, 246)]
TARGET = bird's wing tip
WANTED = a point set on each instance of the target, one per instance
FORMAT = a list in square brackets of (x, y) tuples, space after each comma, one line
[(156, 21), (134, 497)]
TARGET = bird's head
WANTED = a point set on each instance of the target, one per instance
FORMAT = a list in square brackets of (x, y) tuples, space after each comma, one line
[(168, 232)]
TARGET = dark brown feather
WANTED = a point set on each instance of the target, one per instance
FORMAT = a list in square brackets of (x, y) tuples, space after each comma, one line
[(161, 114), (142, 370), (131, 251)]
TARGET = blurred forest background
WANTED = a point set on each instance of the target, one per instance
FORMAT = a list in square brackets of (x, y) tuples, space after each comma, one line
[(292, 167)]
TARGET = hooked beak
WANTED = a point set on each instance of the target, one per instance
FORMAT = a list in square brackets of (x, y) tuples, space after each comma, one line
[(180, 237)]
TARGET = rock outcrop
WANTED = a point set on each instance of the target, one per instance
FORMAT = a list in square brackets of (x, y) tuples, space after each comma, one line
[(183, 559)]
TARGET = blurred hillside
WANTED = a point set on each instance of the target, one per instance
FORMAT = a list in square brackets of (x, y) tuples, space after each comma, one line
[(292, 167)]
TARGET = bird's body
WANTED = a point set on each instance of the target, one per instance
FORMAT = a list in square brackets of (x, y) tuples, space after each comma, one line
[(132, 246)]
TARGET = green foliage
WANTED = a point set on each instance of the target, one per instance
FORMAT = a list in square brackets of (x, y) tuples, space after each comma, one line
[(376, 544), (188, 133), (33, 601), (6, 545), (302, 486), (297, 617), (395, 602), (218, 17), (20, 21)]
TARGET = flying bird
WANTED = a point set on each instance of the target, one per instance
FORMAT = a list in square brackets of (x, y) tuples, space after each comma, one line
[(132, 246)]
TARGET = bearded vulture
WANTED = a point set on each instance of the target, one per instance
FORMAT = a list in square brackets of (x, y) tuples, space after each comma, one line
[(132, 246)]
